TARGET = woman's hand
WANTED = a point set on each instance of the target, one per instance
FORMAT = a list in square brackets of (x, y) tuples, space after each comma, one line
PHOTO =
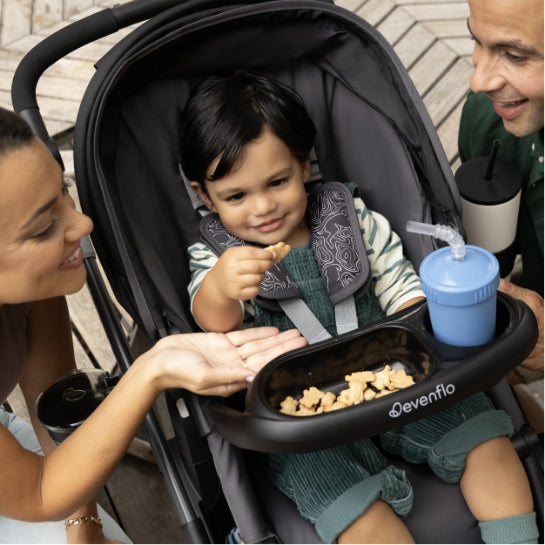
[(220, 363), (535, 302)]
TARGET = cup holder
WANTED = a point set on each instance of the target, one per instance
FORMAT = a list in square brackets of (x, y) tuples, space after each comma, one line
[(504, 316)]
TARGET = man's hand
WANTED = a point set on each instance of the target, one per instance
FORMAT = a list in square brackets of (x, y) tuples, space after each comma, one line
[(535, 302)]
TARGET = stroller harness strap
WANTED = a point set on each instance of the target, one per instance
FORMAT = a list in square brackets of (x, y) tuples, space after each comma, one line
[(339, 252), (346, 318), (304, 320)]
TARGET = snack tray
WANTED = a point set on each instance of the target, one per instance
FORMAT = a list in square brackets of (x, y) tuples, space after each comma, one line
[(443, 375)]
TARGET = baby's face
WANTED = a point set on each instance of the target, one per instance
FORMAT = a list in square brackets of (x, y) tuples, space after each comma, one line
[(263, 199)]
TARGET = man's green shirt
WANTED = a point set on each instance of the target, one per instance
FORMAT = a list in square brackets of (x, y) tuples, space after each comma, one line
[(479, 127)]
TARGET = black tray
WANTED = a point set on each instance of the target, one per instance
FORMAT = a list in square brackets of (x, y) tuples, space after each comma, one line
[(443, 375)]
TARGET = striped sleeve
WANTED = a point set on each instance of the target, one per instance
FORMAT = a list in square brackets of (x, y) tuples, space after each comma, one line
[(201, 260), (394, 277)]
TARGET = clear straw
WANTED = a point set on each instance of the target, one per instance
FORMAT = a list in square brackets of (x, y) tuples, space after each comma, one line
[(442, 232)]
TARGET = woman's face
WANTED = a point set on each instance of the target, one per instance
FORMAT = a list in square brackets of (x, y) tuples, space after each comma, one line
[(40, 229)]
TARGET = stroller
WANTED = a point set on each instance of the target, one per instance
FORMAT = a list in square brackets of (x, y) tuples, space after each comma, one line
[(129, 181)]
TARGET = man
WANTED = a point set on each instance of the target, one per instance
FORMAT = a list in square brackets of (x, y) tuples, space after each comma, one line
[(506, 103)]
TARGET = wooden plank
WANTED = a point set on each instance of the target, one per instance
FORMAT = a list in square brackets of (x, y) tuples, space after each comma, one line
[(9, 61), (449, 28), (17, 22), (66, 67), (351, 5), (430, 67), (49, 87), (455, 165), (436, 11), (74, 7), (85, 319), (89, 53), (396, 25), (61, 88), (449, 91), (462, 46), (432, 2), (414, 44), (46, 13), (448, 133), (374, 11)]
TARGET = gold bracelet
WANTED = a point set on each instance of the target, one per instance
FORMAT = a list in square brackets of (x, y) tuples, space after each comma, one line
[(82, 520)]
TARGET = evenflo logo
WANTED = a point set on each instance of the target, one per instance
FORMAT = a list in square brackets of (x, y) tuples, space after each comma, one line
[(440, 392)]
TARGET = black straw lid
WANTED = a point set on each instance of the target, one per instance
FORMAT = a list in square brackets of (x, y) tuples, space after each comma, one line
[(488, 180)]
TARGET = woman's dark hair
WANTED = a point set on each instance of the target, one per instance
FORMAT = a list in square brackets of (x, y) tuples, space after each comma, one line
[(14, 131), (224, 114)]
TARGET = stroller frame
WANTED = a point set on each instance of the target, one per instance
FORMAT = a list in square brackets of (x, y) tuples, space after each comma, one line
[(181, 477)]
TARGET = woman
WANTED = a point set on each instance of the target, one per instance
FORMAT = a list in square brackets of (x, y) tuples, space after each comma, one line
[(40, 262)]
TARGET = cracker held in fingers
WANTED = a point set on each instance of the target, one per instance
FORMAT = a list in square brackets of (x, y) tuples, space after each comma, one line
[(280, 250)]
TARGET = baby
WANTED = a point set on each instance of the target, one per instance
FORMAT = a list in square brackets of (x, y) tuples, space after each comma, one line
[(245, 142)]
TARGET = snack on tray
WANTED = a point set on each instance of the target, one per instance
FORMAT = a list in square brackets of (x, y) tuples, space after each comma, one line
[(362, 386), (280, 250)]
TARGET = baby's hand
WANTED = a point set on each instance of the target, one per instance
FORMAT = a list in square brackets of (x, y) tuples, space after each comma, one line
[(240, 271)]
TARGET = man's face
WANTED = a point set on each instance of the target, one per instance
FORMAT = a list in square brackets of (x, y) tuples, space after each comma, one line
[(508, 60)]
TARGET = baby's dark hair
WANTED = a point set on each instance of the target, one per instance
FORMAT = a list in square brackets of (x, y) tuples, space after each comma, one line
[(14, 131), (224, 114)]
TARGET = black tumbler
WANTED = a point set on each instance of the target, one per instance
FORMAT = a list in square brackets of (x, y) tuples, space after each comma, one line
[(490, 190), (69, 401)]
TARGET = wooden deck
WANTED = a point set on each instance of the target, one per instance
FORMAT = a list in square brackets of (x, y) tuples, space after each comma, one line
[(431, 39)]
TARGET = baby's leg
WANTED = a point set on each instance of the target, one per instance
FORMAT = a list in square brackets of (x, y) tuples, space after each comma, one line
[(494, 470), (467, 433), (379, 524), (335, 488)]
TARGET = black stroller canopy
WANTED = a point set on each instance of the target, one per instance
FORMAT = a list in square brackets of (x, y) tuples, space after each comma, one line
[(135, 99)]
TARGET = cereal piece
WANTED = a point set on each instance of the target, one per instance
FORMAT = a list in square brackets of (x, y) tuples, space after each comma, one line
[(369, 394), (360, 376), (311, 397), (383, 393), (280, 250), (289, 405), (400, 379), (306, 411), (382, 378), (335, 407), (352, 395), (328, 400)]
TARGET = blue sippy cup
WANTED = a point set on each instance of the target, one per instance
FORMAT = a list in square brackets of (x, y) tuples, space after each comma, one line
[(460, 283)]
